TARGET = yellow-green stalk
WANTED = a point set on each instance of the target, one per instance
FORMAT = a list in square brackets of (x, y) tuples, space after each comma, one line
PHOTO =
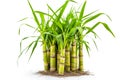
[(78, 59), (48, 58), (58, 59), (62, 62), (81, 57), (74, 57), (52, 58), (45, 58), (67, 58)]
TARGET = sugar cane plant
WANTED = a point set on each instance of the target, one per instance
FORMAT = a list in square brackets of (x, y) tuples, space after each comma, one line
[(63, 37)]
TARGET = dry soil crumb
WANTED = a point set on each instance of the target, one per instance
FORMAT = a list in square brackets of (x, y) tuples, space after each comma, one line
[(66, 74)]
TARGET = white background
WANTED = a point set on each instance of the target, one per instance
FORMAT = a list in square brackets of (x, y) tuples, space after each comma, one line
[(104, 63)]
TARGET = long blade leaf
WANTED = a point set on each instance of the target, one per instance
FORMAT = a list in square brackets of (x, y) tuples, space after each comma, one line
[(23, 19), (82, 11), (62, 10), (87, 47), (95, 17), (87, 15), (42, 20), (52, 10), (95, 44), (105, 26), (35, 17), (94, 33), (34, 47), (21, 52)]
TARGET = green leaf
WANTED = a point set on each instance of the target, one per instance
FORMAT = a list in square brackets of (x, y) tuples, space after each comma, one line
[(79, 29), (42, 20), (29, 46), (59, 25), (72, 31), (23, 19), (52, 10), (19, 30), (22, 41), (108, 17), (54, 13), (87, 15), (21, 52), (48, 33), (62, 10), (29, 25), (35, 17), (25, 38), (95, 44), (71, 24), (94, 33), (69, 16), (37, 29), (82, 11), (73, 1), (34, 47), (58, 36), (87, 47), (105, 26), (39, 12), (94, 17)]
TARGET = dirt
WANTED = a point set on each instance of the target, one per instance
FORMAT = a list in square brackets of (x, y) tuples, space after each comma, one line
[(66, 74)]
